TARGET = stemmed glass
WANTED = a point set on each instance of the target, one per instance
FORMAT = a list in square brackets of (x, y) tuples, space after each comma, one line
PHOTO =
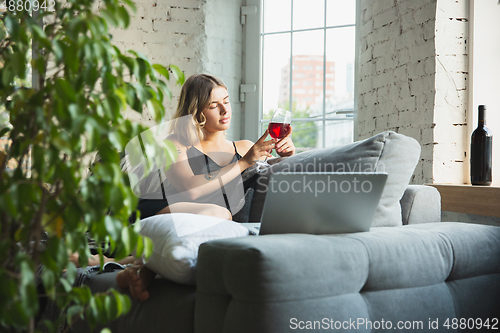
[(278, 128)]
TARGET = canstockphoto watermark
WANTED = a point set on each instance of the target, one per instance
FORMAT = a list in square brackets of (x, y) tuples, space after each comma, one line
[(317, 186)]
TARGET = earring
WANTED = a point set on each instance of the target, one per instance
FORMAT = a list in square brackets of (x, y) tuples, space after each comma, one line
[(203, 120)]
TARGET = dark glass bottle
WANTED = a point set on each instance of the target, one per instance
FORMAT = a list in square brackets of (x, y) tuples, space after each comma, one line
[(480, 151)]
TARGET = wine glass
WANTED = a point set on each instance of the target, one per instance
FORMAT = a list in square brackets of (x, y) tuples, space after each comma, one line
[(278, 128)]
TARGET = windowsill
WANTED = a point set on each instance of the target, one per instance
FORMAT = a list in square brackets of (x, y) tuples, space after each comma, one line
[(469, 199)]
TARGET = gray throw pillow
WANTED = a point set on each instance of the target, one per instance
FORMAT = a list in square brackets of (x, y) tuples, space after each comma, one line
[(389, 152)]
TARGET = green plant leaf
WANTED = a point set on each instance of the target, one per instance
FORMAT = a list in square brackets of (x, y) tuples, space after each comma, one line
[(131, 4), (28, 293), (178, 74), (72, 311), (109, 16), (138, 54), (83, 294), (148, 247), (112, 226), (111, 307), (64, 89), (162, 70), (156, 109), (141, 70), (2, 33), (13, 27), (123, 17), (88, 83), (127, 240), (140, 247), (36, 30)]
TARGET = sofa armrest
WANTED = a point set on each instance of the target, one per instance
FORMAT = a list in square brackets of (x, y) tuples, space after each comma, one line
[(420, 204), (238, 279)]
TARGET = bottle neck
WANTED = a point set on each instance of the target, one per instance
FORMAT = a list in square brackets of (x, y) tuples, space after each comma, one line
[(481, 118)]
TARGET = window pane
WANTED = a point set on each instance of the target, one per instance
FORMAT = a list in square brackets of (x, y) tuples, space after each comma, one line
[(277, 15), (306, 135), (340, 12), (307, 83), (308, 14), (276, 72), (340, 56), (338, 132), (340, 92)]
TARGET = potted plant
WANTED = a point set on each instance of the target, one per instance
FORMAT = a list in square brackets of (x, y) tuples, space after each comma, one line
[(49, 207)]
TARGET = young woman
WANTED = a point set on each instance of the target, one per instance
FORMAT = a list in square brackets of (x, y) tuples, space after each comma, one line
[(205, 161)]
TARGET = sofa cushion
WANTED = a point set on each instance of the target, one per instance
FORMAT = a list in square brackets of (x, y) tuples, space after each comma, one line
[(176, 238), (410, 273), (388, 152)]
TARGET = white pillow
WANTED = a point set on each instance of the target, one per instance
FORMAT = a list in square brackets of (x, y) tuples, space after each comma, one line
[(176, 238)]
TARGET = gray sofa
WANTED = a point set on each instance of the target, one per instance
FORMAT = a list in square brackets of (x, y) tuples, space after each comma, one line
[(423, 273), (409, 272)]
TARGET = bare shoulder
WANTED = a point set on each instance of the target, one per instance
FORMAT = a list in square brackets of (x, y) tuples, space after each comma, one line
[(175, 140), (243, 146)]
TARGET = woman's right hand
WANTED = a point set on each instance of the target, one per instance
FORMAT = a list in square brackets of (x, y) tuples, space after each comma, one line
[(259, 149)]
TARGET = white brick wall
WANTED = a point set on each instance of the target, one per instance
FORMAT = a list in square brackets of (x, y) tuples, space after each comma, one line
[(199, 36), (224, 52), (451, 94), (413, 70)]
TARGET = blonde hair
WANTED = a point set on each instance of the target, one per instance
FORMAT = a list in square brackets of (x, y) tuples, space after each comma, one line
[(194, 98)]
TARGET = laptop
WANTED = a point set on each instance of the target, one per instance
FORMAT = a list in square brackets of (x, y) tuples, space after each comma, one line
[(319, 203)]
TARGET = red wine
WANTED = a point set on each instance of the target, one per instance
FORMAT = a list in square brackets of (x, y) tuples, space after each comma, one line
[(278, 130), (480, 152)]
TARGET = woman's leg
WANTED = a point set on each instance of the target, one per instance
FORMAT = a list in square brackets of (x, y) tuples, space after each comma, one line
[(197, 208), (137, 277), (94, 260)]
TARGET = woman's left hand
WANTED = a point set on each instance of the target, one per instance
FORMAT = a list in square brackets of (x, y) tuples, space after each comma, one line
[(285, 146)]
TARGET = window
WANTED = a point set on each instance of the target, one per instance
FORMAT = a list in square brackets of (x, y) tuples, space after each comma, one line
[(301, 43), (484, 73)]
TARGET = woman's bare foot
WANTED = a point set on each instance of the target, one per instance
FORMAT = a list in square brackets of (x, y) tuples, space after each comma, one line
[(136, 278)]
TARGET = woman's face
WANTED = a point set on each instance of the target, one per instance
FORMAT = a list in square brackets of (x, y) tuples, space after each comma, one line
[(218, 112)]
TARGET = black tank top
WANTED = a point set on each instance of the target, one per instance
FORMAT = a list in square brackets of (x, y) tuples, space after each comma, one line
[(201, 163)]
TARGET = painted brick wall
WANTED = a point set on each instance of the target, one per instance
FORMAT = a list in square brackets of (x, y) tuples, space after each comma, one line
[(223, 58), (199, 36), (450, 108), (412, 79), (397, 73)]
